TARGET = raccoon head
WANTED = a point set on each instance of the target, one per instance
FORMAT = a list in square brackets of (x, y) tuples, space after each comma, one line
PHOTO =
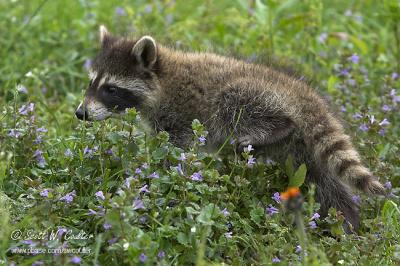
[(121, 76)]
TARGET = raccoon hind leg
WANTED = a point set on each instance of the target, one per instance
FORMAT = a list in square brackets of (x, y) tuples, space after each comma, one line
[(265, 132)]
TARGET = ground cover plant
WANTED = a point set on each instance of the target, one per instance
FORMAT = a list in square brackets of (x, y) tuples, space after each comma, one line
[(111, 193)]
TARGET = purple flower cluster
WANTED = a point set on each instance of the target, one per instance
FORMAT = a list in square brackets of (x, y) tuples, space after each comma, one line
[(271, 210), (88, 153), (100, 195), (202, 140), (138, 204), (196, 176), (69, 197), (38, 155)]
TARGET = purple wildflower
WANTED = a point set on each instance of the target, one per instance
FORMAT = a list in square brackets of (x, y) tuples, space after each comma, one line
[(22, 89), (312, 224), (384, 122), (38, 140), (100, 195), (138, 171), (343, 109), (39, 157), (44, 193), (354, 58), (388, 185), (275, 260), (107, 226), (14, 133), (182, 157), (92, 212), (271, 210), (161, 254), (179, 169), (225, 212), (315, 216), (112, 240), (202, 140), (142, 257), (356, 199), (109, 151), (88, 152), (344, 72), (69, 197), (352, 82), (395, 75), (372, 119), (382, 132), (37, 263), (23, 110), (120, 11), (138, 204), (143, 219), (28, 242), (232, 141), (61, 231), (68, 153), (357, 116), (197, 176), (76, 260), (148, 9), (41, 130), (322, 37), (87, 64), (144, 189), (298, 249), (31, 107), (276, 197), (386, 108), (154, 175), (251, 161), (128, 181), (364, 127)]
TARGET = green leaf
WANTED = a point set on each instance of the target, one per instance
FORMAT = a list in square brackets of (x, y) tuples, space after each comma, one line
[(160, 153), (114, 137), (298, 179), (132, 148), (182, 238), (331, 86), (257, 215), (289, 169), (206, 214)]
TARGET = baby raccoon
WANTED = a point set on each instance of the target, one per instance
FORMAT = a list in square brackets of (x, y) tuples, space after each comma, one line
[(261, 106)]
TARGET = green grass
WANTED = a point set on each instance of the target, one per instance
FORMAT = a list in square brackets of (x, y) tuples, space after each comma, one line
[(43, 47)]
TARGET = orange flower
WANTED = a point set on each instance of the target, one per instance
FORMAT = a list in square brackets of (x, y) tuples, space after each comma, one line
[(291, 192)]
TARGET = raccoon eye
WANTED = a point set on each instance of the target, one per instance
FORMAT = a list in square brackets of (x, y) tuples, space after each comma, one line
[(110, 90)]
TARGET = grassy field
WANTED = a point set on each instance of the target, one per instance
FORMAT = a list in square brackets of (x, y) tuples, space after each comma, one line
[(107, 193)]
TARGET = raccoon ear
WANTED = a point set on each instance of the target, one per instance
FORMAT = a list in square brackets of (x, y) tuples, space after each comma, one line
[(145, 51), (103, 33)]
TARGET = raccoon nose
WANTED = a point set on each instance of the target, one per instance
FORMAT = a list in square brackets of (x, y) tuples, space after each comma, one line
[(81, 113)]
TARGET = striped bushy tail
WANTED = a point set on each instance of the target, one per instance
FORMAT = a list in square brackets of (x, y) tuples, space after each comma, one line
[(334, 152)]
